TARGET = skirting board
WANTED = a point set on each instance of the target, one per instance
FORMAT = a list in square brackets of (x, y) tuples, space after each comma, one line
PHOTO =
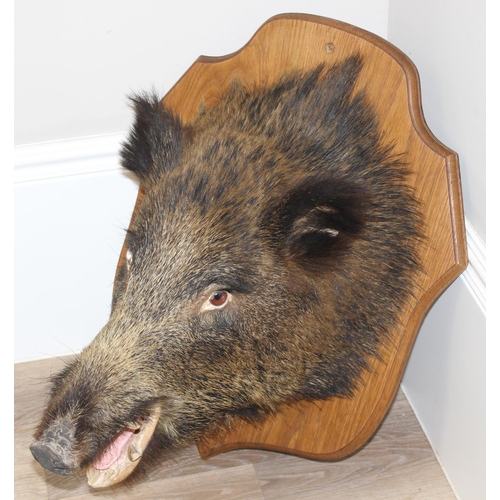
[(83, 156), (87, 156), (475, 274)]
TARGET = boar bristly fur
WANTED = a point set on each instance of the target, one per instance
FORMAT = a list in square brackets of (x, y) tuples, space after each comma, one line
[(272, 254)]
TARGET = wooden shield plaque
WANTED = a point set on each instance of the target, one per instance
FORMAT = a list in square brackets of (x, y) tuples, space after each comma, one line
[(334, 428)]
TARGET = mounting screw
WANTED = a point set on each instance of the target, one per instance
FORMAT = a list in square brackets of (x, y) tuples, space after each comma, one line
[(329, 47)]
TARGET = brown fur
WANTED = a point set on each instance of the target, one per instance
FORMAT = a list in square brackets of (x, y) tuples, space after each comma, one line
[(286, 198)]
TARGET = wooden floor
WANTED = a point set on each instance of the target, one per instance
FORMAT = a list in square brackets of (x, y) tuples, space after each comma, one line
[(397, 463)]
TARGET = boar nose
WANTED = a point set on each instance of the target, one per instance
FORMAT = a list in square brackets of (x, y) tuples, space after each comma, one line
[(54, 450), (49, 459)]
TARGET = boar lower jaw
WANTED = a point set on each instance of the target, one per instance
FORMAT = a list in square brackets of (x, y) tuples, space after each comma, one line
[(123, 453)]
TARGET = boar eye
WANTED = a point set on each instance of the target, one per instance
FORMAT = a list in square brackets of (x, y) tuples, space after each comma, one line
[(218, 300)]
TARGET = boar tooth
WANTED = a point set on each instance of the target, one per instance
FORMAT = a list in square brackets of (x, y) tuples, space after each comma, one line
[(133, 426), (133, 454)]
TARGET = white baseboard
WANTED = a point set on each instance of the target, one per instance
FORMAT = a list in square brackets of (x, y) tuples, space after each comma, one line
[(475, 274), (84, 156)]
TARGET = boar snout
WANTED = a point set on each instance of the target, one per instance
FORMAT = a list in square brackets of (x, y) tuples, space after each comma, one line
[(54, 450)]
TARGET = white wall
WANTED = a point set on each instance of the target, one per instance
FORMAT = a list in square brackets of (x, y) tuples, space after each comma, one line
[(71, 209), (446, 376), (76, 61)]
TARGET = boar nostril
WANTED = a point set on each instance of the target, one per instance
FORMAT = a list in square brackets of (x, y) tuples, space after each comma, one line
[(49, 459), (54, 450)]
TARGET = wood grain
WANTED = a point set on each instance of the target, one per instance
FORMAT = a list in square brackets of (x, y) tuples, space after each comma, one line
[(336, 428), (396, 464)]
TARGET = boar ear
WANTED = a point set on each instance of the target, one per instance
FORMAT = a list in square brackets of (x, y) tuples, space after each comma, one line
[(154, 144), (316, 221)]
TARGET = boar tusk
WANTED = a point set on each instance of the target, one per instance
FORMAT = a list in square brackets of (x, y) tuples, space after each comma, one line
[(123, 454), (133, 454)]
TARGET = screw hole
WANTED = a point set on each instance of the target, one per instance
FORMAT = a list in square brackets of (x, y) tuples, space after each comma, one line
[(329, 47)]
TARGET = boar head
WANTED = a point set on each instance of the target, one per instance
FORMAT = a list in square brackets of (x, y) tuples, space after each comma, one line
[(271, 254)]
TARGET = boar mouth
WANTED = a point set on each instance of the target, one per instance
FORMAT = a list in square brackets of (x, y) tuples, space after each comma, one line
[(122, 455)]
